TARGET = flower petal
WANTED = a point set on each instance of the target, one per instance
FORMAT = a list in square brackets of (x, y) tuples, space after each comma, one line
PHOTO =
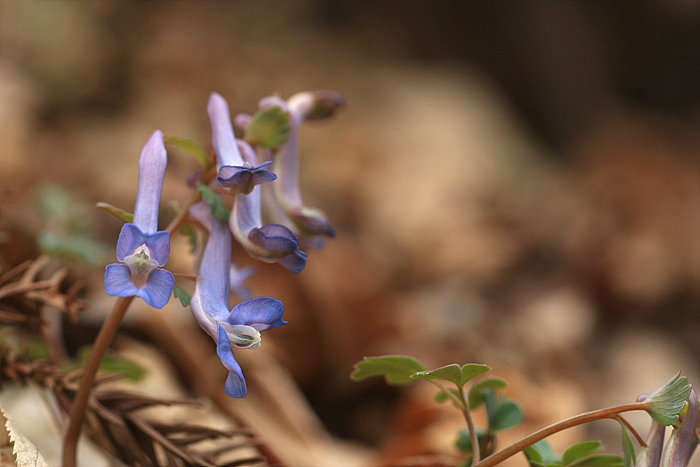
[(296, 262), (274, 237), (242, 179), (131, 237), (261, 313), (118, 281), (158, 288), (223, 138), (235, 383), (152, 164), (159, 244)]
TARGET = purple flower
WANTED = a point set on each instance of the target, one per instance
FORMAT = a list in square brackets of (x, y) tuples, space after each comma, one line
[(141, 249), (272, 243), (239, 328), (301, 106)]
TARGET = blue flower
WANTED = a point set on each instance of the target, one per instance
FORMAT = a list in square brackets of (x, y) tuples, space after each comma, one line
[(302, 106), (272, 243), (141, 249), (240, 327)]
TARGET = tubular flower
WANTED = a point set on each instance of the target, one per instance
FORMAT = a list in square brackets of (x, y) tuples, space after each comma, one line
[(141, 249), (238, 328), (272, 243), (301, 106)]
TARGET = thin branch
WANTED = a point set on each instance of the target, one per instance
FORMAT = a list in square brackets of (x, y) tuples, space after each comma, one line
[(505, 453)]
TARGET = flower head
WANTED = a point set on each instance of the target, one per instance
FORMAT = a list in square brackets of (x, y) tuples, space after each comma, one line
[(272, 243), (141, 249), (238, 328)]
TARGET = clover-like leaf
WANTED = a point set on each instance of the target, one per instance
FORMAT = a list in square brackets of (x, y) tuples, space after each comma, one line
[(507, 415), (269, 128), (443, 396), (453, 373), (628, 447), (191, 147), (464, 440), (218, 208), (541, 454), (182, 295), (119, 213), (396, 369), (476, 395), (664, 404), (580, 451)]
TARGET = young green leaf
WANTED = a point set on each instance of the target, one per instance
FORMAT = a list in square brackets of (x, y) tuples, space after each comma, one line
[(218, 208), (193, 148), (182, 295), (541, 454), (442, 396), (476, 397), (464, 440), (507, 415), (628, 447), (451, 373), (396, 369), (269, 128), (580, 451), (664, 404), (119, 213)]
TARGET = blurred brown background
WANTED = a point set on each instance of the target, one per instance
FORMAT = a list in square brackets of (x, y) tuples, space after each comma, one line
[(513, 183)]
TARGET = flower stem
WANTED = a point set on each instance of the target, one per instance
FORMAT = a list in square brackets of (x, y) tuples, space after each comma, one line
[(104, 338), (505, 453), (476, 449), (77, 408)]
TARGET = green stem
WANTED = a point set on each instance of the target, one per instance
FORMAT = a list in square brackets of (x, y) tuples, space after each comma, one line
[(505, 453), (476, 449), (77, 408)]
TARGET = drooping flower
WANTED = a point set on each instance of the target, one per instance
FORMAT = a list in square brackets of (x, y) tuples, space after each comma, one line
[(142, 249), (301, 106), (240, 327), (272, 243)]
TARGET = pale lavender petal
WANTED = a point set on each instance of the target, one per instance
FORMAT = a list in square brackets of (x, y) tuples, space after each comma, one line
[(158, 288), (235, 382), (223, 138), (152, 164), (159, 245), (213, 285), (262, 313), (686, 441), (131, 237), (118, 281), (243, 179), (241, 121)]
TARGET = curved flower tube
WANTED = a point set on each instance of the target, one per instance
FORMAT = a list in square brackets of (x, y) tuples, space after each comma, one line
[(238, 328), (141, 249), (271, 243), (301, 106)]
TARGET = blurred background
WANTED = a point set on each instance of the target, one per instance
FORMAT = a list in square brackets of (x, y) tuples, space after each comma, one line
[(512, 183)]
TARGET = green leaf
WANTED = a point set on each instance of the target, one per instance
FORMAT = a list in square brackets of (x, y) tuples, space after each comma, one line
[(580, 451), (453, 373), (218, 208), (193, 148), (112, 364), (603, 460), (188, 232), (476, 396), (664, 404), (182, 295), (507, 415), (269, 128), (541, 454), (119, 213), (464, 440), (76, 246), (396, 369), (628, 447)]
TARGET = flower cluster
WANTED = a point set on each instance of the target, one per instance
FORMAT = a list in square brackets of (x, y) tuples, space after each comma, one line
[(266, 157)]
